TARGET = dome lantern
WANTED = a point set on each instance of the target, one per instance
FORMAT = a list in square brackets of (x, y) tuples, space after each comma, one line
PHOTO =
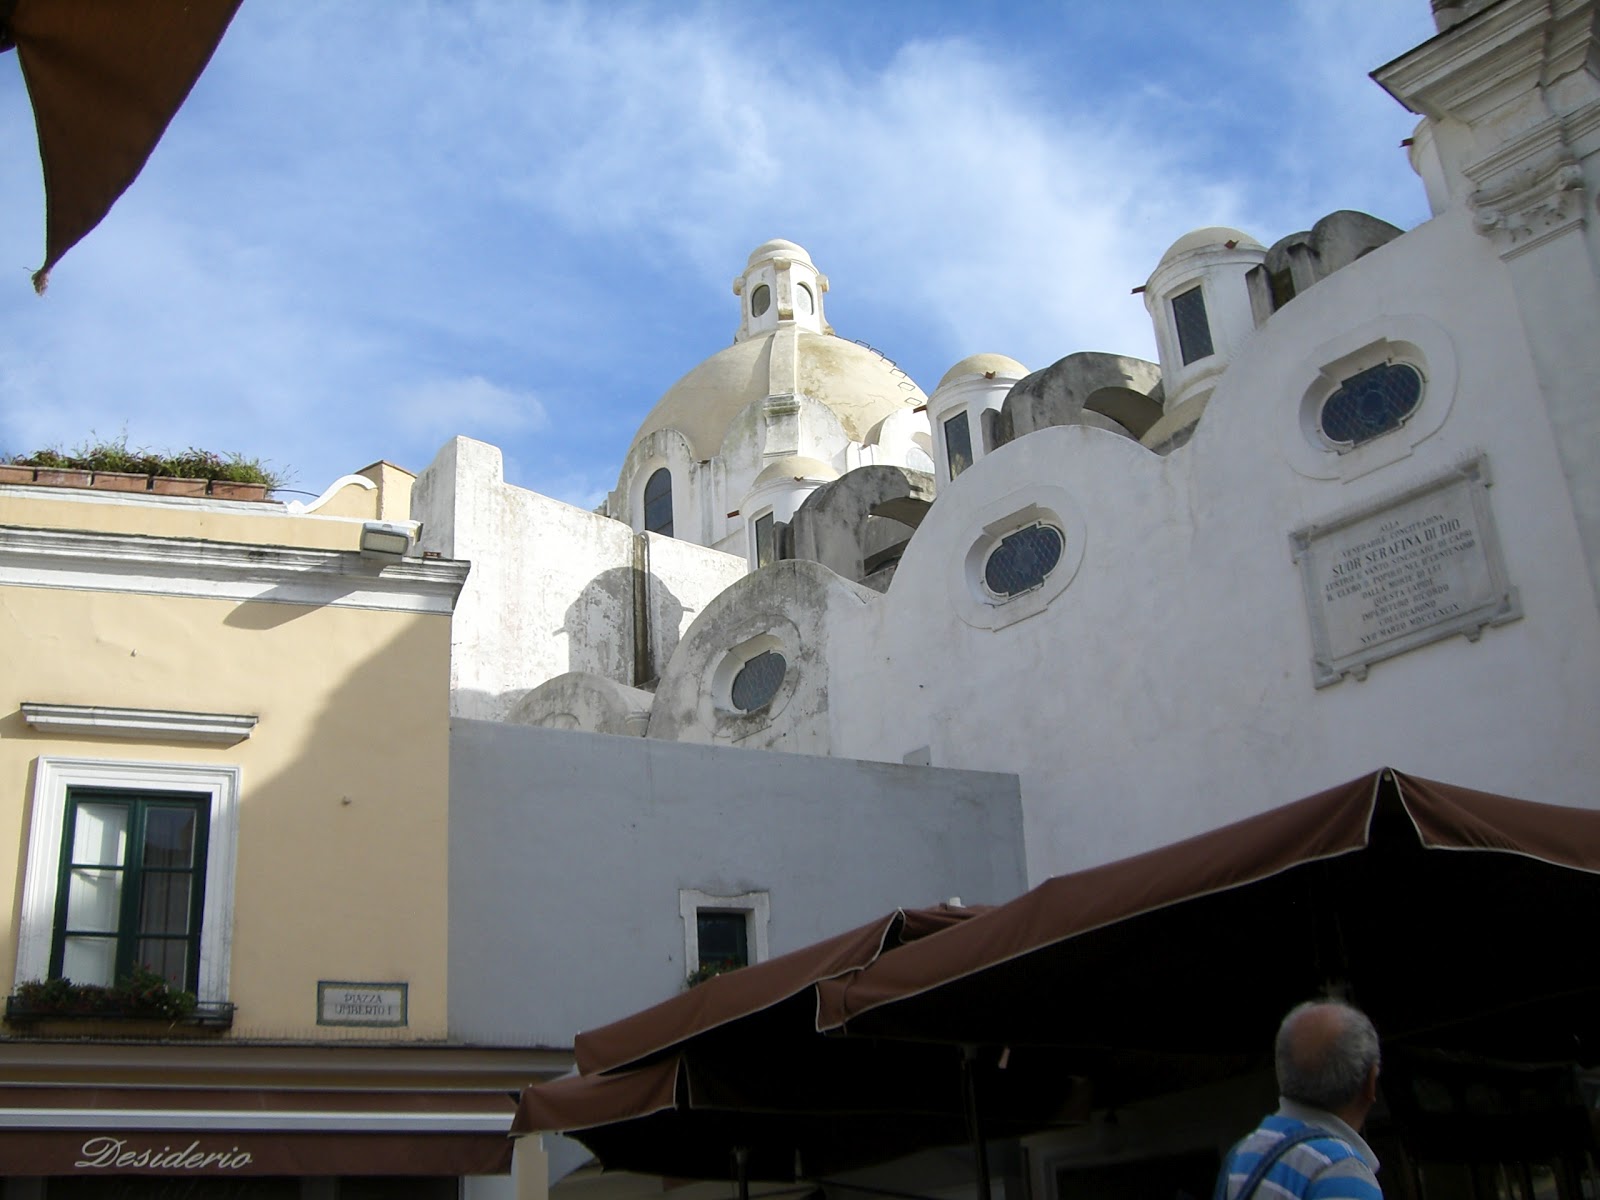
[(780, 286)]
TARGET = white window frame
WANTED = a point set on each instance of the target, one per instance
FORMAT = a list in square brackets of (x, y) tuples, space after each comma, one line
[(53, 778), (757, 907)]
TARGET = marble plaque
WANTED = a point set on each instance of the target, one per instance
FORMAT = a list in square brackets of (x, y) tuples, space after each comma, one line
[(343, 1003), (1398, 574)]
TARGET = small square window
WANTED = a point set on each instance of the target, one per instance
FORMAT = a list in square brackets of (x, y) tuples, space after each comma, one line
[(722, 932), (723, 937)]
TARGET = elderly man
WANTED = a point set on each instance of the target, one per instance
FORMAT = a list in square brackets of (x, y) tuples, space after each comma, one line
[(1327, 1061)]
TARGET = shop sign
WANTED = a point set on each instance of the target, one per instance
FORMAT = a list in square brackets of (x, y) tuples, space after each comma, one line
[(119, 1154)]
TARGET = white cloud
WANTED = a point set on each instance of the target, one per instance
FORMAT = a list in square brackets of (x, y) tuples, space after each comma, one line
[(438, 409), (457, 217)]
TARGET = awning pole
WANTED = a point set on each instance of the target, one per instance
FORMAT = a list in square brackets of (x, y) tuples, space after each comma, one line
[(969, 1097)]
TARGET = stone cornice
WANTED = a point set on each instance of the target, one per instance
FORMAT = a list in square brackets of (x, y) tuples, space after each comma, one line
[(161, 566), (140, 724), (1467, 71)]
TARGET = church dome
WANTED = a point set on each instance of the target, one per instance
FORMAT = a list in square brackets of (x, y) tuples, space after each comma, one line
[(784, 346), (983, 364), (778, 248), (1207, 238)]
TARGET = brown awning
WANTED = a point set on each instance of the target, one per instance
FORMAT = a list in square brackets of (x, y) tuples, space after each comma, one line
[(95, 1131), (739, 995), (105, 79), (1458, 918), (1455, 917), (800, 1107)]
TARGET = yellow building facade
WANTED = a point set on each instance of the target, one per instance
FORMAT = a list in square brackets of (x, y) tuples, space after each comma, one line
[(224, 777)]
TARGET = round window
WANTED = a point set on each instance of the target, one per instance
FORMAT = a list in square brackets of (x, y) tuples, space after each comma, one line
[(803, 302), (760, 300), (1022, 559), (758, 681), (1371, 403)]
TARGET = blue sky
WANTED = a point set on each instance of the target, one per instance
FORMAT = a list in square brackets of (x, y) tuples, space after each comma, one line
[(380, 223)]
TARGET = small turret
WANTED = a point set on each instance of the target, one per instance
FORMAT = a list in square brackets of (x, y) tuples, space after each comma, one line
[(780, 285)]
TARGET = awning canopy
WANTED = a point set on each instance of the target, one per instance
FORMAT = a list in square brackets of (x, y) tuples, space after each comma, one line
[(1455, 918), (798, 1106), (105, 79), (765, 992), (1459, 919)]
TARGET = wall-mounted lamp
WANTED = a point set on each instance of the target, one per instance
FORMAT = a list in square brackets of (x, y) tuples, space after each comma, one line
[(385, 541)]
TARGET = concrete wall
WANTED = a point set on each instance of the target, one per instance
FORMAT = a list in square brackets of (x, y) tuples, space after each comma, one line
[(568, 850)]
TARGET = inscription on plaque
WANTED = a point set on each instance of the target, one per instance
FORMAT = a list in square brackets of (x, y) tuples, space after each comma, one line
[(340, 1003), (1409, 570)]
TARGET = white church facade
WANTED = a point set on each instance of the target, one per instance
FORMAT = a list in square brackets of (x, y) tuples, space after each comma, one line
[(1350, 519), (835, 643)]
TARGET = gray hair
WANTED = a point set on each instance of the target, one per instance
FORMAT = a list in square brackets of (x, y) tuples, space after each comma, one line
[(1330, 1073)]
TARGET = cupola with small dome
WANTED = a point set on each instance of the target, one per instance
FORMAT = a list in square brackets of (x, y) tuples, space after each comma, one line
[(1199, 303), (788, 388)]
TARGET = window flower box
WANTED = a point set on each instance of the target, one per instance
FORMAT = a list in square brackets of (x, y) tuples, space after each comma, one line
[(223, 489), (120, 481), (174, 485), (21, 1014), (62, 477), (142, 996), (15, 473)]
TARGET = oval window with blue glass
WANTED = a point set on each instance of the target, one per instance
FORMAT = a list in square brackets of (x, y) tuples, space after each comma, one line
[(758, 681), (1022, 560), (1371, 403)]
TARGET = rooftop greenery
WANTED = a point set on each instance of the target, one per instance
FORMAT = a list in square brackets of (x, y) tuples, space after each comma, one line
[(184, 464)]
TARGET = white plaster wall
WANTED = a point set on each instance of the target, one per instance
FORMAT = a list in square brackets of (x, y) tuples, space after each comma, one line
[(903, 440), (1168, 689), (683, 579), (550, 588), (788, 607)]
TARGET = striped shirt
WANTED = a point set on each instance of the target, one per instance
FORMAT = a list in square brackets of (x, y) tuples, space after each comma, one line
[(1340, 1166)]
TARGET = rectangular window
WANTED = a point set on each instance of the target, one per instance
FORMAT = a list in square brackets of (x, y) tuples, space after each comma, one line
[(723, 937), (766, 544), (958, 443), (131, 888), (1194, 330), (722, 931), (128, 863)]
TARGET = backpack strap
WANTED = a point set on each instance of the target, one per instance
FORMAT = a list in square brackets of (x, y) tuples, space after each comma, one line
[(1282, 1146)]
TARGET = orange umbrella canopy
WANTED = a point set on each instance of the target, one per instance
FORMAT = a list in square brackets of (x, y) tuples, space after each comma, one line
[(105, 78)]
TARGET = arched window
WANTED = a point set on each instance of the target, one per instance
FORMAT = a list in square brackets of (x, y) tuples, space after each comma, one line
[(658, 503)]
